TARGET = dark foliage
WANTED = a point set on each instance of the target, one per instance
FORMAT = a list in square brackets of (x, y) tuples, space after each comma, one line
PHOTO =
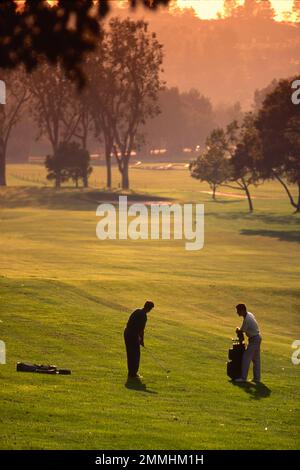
[(62, 32)]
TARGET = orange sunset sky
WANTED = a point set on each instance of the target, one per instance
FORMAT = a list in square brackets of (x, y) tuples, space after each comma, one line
[(208, 9)]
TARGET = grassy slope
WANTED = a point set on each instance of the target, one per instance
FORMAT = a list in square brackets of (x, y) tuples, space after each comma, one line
[(65, 297)]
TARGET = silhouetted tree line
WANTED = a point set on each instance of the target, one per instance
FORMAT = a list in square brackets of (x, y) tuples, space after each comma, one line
[(257, 9), (185, 120)]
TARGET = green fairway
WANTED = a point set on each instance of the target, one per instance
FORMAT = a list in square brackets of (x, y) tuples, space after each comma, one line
[(65, 297)]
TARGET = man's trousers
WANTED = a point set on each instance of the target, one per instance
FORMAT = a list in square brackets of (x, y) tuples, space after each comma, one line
[(132, 343), (252, 353)]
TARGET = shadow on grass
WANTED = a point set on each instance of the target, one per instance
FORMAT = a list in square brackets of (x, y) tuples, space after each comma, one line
[(138, 385), (291, 236), (256, 391), (225, 201), (267, 218), (67, 198)]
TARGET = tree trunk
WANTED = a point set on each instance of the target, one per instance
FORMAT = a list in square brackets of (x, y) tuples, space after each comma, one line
[(108, 168), (293, 203), (85, 181), (2, 165), (58, 180), (76, 182), (298, 205), (125, 173), (249, 198), (214, 188)]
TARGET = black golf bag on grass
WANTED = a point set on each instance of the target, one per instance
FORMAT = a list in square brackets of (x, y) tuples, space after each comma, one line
[(235, 356), (41, 369)]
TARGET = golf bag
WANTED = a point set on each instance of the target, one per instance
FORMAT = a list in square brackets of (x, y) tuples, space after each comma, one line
[(235, 356), (41, 369)]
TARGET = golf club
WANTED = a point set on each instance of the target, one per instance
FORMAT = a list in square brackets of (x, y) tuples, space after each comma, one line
[(157, 361)]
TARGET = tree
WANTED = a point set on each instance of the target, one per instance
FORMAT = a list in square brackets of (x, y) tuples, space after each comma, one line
[(77, 163), (198, 117), (84, 119), (185, 121), (69, 162), (225, 113), (213, 165), (278, 123), (258, 9), (260, 95), (136, 58), (10, 113), (101, 93), (56, 167), (53, 108), (244, 146), (296, 9), (265, 10), (123, 86), (85, 122), (63, 32), (228, 158), (166, 130), (230, 7)]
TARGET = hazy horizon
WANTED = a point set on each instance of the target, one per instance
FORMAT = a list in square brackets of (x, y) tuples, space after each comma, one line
[(225, 58)]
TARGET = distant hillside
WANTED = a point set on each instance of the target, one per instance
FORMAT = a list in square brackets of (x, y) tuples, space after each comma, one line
[(227, 59)]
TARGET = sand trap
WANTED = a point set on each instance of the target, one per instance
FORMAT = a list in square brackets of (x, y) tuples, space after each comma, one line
[(218, 193)]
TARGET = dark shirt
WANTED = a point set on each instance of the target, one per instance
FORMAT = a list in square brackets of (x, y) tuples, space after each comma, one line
[(137, 322)]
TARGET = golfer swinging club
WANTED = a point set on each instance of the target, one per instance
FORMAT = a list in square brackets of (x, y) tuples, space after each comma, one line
[(252, 353), (134, 337)]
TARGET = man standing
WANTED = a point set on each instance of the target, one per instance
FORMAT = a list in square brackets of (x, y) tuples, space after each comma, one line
[(134, 337), (252, 353)]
